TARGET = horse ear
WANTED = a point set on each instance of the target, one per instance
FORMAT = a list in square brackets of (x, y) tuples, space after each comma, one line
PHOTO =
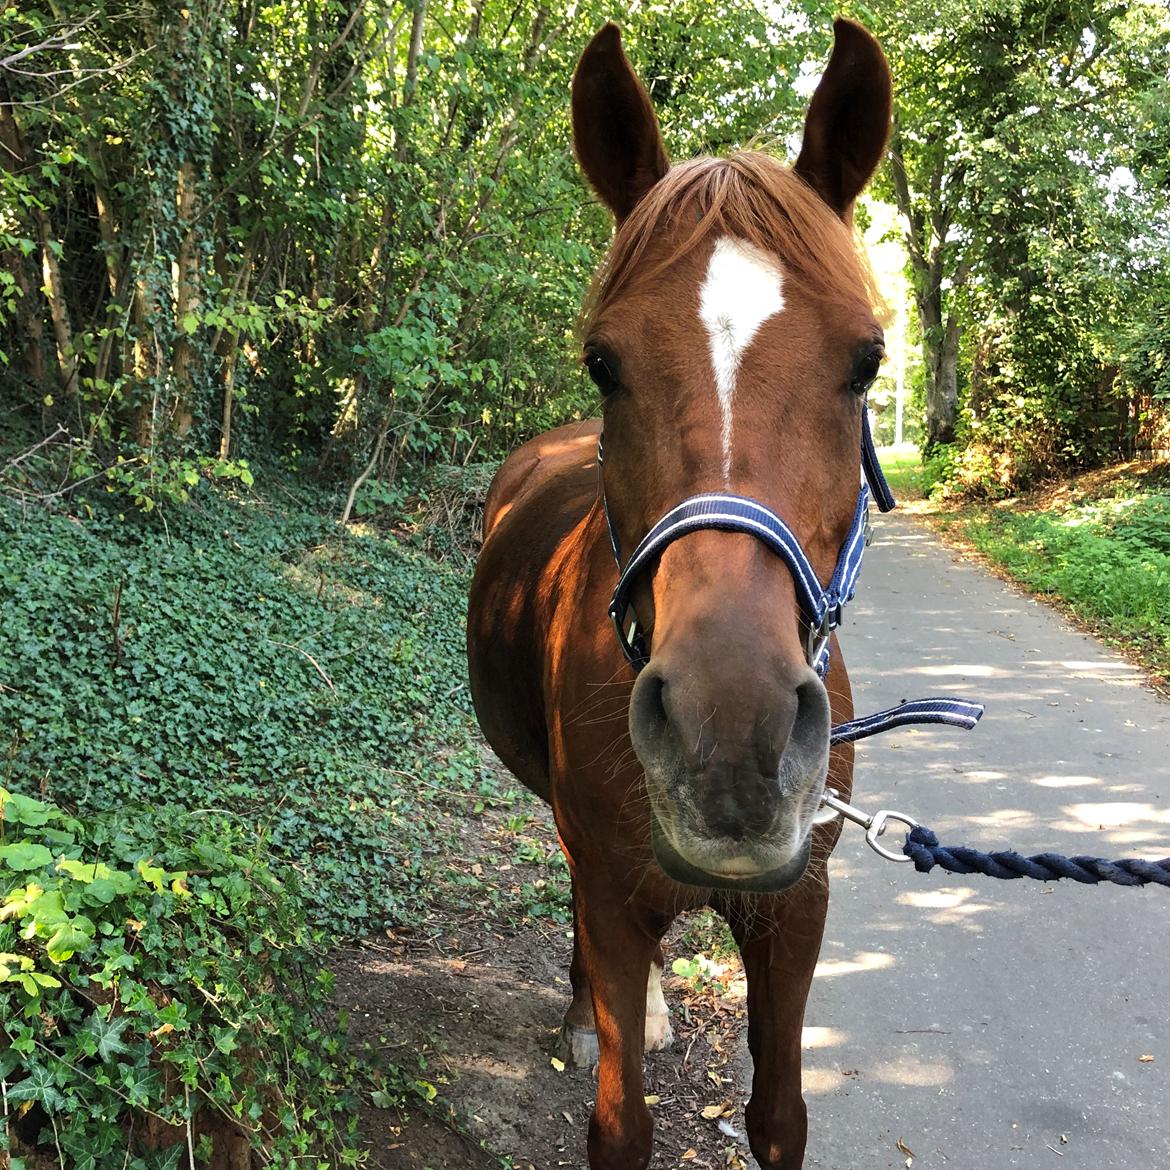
[(615, 132), (848, 119)]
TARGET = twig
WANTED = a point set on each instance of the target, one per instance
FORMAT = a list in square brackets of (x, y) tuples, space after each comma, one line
[(16, 460), (116, 620), (357, 483), (316, 664)]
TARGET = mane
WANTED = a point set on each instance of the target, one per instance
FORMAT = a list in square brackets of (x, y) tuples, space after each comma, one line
[(752, 196)]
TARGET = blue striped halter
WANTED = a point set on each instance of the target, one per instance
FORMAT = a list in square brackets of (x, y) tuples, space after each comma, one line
[(821, 606)]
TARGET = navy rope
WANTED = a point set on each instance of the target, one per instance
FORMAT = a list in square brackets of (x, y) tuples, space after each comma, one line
[(923, 849)]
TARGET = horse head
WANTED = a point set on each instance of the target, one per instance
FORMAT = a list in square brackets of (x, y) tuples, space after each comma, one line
[(732, 335)]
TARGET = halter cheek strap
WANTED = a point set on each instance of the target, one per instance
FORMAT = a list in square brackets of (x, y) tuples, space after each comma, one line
[(822, 606)]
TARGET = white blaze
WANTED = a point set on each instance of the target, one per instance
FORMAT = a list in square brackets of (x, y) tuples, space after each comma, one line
[(742, 289)]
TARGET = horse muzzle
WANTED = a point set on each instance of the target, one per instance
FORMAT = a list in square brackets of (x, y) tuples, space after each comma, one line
[(733, 793)]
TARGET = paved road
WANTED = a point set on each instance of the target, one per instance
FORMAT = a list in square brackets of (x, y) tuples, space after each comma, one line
[(991, 1024)]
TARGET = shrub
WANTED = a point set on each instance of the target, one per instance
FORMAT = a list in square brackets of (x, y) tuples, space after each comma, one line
[(161, 999)]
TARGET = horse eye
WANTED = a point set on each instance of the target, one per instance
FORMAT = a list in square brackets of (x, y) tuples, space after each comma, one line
[(599, 370), (866, 370)]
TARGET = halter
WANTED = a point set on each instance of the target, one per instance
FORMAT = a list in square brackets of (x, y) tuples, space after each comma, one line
[(821, 606)]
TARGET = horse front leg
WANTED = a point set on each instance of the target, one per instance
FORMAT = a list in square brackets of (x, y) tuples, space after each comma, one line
[(616, 946), (577, 1043), (779, 945)]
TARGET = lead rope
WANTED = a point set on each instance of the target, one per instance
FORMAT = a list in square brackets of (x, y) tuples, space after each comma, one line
[(923, 849)]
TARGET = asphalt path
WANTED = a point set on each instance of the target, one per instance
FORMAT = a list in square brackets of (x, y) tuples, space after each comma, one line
[(985, 1023)]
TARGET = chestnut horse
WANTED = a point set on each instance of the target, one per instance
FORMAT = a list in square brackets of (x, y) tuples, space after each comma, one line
[(731, 334)]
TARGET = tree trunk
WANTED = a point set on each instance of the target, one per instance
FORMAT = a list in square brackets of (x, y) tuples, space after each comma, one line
[(942, 420), (926, 245), (58, 310), (187, 298)]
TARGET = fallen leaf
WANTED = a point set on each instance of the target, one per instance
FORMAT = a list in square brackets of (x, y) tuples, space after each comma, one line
[(689, 1155), (653, 1099), (1147, 1059), (905, 1149), (567, 1116), (559, 1065)]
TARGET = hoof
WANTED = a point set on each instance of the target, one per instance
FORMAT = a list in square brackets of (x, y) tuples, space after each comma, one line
[(659, 1033), (576, 1046)]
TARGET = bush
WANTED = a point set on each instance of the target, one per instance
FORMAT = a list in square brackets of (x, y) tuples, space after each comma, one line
[(161, 998)]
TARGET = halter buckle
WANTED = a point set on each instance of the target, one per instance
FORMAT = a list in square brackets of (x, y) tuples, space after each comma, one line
[(819, 634)]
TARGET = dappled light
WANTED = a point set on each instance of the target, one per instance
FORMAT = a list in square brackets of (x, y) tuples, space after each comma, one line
[(1119, 822), (861, 962), (966, 670), (954, 906), (818, 1037), (817, 1082), (912, 1071), (1066, 782)]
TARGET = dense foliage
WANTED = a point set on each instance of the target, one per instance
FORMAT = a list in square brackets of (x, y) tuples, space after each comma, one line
[(344, 229), (244, 658), (1038, 229), (161, 1001), (350, 232), (254, 720), (1102, 549)]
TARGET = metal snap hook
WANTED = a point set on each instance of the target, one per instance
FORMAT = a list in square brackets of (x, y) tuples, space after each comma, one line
[(874, 826)]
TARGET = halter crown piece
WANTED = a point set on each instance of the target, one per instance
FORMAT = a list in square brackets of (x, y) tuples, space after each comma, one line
[(821, 605)]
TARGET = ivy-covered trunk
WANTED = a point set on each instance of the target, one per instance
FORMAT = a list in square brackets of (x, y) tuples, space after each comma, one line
[(940, 351)]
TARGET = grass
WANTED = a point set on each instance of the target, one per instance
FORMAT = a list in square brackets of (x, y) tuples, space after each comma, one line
[(903, 471), (1098, 543)]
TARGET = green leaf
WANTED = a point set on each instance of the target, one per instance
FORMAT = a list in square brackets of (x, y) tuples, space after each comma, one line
[(107, 1034), (75, 934), (25, 856), (153, 875), (38, 1085), (23, 810)]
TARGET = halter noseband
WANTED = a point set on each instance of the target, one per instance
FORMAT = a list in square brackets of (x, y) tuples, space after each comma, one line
[(822, 606)]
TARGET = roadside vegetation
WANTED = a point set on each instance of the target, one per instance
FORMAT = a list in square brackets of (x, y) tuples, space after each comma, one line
[(234, 735), (1098, 543)]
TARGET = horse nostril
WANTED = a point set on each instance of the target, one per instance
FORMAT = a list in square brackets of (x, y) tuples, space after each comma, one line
[(810, 728), (648, 718)]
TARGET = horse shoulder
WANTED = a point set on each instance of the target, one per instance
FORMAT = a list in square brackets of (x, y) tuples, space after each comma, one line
[(538, 528), (536, 463)]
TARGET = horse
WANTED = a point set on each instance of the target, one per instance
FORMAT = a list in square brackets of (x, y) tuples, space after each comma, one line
[(732, 334)]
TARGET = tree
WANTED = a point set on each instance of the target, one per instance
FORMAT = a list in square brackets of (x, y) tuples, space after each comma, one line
[(1005, 207), (347, 230)]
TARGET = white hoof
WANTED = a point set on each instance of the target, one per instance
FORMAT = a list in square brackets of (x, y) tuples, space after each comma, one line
[(659, 1034), (576, 1046)]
